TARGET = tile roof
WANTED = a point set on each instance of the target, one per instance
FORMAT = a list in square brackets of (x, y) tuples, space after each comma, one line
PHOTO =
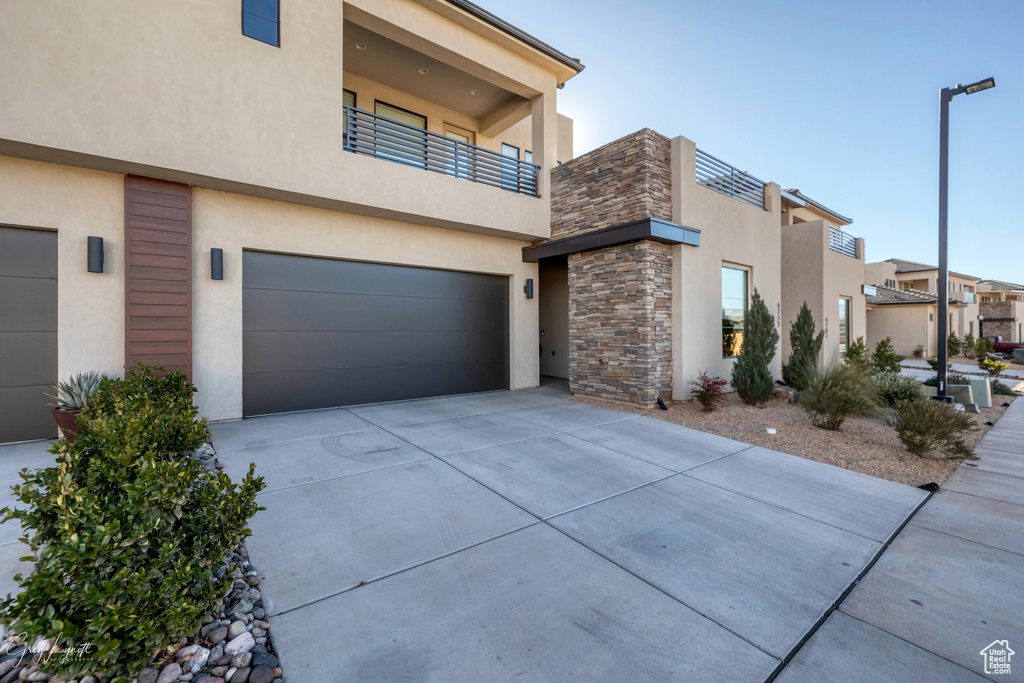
[(1000, 284), (887, 296), (905, 266)]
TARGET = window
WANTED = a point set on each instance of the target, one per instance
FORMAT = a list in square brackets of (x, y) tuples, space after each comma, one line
[(510, 169), (844, 325), (260, 21), (734, 307), (970, 327), (396, 143), (459, 166), (349, 100)]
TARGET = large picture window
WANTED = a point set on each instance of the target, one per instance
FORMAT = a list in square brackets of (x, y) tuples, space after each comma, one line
[(734, 307), (844, 325)]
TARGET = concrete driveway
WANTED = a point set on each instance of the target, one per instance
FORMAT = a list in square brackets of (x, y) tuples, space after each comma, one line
[(518, 535)]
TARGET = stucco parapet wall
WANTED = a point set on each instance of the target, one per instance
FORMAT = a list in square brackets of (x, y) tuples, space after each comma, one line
[(624, 181)]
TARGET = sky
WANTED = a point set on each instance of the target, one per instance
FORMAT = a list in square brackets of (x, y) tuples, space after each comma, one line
[(837, 99)]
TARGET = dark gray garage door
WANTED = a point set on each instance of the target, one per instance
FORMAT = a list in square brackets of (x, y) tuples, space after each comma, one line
[(319, 333), (28, 333)]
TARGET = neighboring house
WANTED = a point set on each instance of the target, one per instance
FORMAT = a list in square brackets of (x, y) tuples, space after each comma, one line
[(1002, 310), (655, 250), (907, 316), (823, 266), (365, 172), (903, 274)]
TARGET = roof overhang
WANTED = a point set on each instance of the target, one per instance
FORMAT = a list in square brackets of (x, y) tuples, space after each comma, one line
[(797, 198), (652, 229)]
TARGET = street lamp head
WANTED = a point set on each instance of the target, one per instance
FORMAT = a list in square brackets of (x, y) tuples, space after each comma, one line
[(980, 85)]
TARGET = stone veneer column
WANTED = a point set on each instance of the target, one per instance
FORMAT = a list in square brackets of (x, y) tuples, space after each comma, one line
[(620, 322)]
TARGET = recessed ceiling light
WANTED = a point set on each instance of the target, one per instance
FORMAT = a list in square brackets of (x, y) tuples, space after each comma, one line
[(424, 71), (360, 46), (474, 92)]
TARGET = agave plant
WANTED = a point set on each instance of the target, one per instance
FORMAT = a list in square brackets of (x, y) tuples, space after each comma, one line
[(74, 393)]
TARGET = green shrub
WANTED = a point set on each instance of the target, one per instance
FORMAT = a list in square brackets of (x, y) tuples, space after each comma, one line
[(895, 388), (1000, 389), (952, 377), (992, 366), (750, 375), (708, 391), (127, 529), (805, 347), (884, 358), (968, 345), (983, 347), (954, 345), (835, 392), (857, 355), (925, 426)]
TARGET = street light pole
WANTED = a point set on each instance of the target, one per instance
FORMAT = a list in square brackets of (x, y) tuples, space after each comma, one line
[(945, 96)]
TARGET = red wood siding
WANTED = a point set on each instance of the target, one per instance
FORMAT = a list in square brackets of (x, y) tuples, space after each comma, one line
[(158, 273)]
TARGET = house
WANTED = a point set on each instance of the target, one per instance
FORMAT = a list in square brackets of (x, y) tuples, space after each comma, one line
[(1001, 310), (300, 205), (823, 266), (903, 274), (656, 248), (907, 317)]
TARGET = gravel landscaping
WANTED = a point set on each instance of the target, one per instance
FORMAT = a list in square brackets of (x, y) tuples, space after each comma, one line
[(865, 445), (233, 646)]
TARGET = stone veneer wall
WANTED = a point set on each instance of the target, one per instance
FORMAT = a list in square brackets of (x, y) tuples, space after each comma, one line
[(999, 309), (620, 322), (621, 182)]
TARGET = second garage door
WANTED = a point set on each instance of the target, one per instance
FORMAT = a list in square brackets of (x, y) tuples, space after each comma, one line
[(319, 333)]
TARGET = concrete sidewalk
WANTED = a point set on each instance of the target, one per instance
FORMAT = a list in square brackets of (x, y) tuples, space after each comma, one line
[(948, 586)]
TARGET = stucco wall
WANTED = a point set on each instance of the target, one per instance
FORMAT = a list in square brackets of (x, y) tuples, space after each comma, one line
[(907, 326), (731, 233), (76, 203), (174, 90)]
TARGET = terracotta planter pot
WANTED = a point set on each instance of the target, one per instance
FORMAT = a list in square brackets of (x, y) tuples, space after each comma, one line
[(65, 419)]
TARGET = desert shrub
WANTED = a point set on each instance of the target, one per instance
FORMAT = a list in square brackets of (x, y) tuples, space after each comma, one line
[(1000, 389), (925, 426), (983, 347), (750, 375), (952, 377), (805, 347), (857, 355), (835, 392), (128, 531), (954, 344), (992, 366), (968, 344), (894, 388), (884, 358), (708, 391)]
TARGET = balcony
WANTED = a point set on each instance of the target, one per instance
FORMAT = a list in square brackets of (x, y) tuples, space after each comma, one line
[(842, 242), (715, 174), (399, 143)]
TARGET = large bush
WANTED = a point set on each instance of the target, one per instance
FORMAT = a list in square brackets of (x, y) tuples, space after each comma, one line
[(884, 358), (805, 347), (857, 355), (128, 531), (750, 375), (954, 344), (894, 388), (925, 426), (835, 392)]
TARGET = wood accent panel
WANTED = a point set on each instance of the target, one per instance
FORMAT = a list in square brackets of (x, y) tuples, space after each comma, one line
[(158, 273)]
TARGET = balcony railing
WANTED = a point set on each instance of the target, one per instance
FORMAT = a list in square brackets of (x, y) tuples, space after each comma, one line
[(385, 138), (719, 176), (842, 242)]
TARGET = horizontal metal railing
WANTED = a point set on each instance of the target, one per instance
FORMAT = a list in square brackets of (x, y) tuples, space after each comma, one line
[(385, 138), (715, 174), (842, 242)]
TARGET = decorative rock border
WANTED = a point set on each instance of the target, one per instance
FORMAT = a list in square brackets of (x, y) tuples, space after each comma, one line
[(233, 646)]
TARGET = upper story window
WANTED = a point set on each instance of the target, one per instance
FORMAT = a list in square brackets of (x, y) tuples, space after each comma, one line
[(509, 171), (260, 21)]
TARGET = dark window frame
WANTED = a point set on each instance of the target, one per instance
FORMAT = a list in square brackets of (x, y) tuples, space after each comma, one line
[(397, 157), (277, 24)]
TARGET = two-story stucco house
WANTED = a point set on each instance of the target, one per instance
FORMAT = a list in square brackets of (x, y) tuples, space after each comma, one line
[(300, 204)]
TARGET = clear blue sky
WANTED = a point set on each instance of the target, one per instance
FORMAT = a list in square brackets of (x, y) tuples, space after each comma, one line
[(838, 99)]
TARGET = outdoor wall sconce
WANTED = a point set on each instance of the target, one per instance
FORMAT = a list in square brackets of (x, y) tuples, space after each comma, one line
[(95, 254), (216, 264), (528, 288)]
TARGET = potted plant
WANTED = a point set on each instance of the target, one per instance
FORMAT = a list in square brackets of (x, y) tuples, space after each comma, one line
[(72, 397)]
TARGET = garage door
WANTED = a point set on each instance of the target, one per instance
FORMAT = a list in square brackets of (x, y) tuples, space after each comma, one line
[(319, 333), (28, 333)]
